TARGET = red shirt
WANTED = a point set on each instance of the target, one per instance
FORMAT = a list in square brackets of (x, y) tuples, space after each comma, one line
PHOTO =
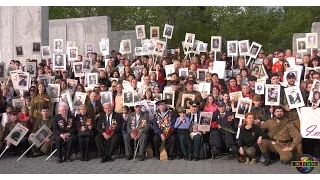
[(277, 67)]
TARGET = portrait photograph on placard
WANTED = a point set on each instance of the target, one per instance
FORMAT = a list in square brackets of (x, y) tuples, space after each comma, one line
[(72, 83), (138, 51), (205, 121), (312, 40), (168, 31), (169, 97), (259, 88), (140, 32), (307, 72), (79, 98), (232, 48), (19, 50), (235, 96), (154, 32), (89, 48), (169, 70), (272, 95), (77, 69), (36, 46), (301, 45), (160, 47), (315, 87), (16, 134), (189, 39), (186, 99), (126, 46), (58, 45), (18, 103), (59, 62), (104, 47), (201, 74), (204, 88), (71, 44), (151, 45), (39, 137), (258, 71), (87, 65), (23, 81), (44, 79), (31, 68), (92, 79), (294, 97), (128, 97), (216, 43), (106, 97), (244, 106), (53, 90), (244, 47), (183, 72), (45, 51), (72, 53), (202, 47), (194, 47), (254, 50)]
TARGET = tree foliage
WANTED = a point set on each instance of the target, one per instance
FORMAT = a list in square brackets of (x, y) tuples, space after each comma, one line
[(272, 27)]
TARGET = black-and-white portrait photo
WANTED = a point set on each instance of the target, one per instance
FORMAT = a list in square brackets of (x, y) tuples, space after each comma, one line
[(106, 97), (215, 43), (53, 90), (16, 134), (168, 31), (36, 47), (23, 80), (232, 48), (272, 94), (19, 50), (78, 101), (169, 97), (89, 48), (29, 68), (243, 107), (58, 45), (58, 59), (294, 97), (202, 75), (92, 79), (73, 53), (45, 51), (254, 49), (128, 97), (78, 68)]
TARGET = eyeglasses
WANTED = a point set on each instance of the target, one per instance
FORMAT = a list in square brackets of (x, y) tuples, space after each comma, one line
[(32, 90), (275, 53), (286, 64), (261, 53)]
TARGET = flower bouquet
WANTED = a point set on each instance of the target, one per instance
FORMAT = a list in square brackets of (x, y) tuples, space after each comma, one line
[(110, 130)]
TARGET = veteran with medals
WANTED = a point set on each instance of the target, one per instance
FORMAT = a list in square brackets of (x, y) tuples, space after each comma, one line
[(163, 127), (64, 130)]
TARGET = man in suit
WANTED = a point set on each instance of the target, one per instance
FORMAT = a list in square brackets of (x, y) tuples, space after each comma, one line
[(64, 130), (59, 60), (23, 81), (109, 127), (195, 134), (241, 109), (86, 65), (128, 98), (224, 119), (78, 102), (135, 124)]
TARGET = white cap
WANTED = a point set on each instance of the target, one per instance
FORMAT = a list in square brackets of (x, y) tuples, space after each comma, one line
[(137, 103)]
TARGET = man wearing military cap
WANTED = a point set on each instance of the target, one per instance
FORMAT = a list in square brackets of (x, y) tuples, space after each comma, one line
[(189, 90), (195, 134), (219, 136), (163, 127), (252, 81)]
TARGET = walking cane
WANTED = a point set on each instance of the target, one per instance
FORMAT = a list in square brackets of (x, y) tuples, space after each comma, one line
[(7, 147), (136, 150), (25, 152), (51, 155)]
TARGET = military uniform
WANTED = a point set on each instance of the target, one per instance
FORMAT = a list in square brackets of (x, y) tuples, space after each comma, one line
[(169, 143), (93, 110), (46, 147), (62, 125), (37, 103), (287, 136), (85, 126), (217, 136)]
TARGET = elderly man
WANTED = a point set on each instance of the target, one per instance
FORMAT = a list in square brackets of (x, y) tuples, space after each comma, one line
[(109, 127), (64, 130), (137, 129), (284, 135)]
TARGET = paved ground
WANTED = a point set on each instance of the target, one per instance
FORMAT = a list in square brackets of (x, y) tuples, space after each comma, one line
[(9, 165)]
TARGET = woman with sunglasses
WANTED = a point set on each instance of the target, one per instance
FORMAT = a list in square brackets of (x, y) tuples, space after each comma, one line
[(285, 65)]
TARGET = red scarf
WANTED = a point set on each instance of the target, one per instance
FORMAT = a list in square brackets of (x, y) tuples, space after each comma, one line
[(247, 95), (233, 89)]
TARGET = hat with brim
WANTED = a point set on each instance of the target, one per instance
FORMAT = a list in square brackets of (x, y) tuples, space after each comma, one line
[(161, 102), (221, 104), (194, 103)]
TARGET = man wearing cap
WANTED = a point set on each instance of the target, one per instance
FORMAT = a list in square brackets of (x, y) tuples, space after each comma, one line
[(252, 81), (135, 124), (218, 135), (189, 90), (163, 125), (195, 134)]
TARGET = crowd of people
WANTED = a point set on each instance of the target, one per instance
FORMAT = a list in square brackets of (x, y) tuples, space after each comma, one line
[(268, 131)]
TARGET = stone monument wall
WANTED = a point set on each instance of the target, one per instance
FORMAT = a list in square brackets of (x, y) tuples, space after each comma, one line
[(21, 26)]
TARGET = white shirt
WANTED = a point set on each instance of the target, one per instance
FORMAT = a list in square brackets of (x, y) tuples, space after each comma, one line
[(195, 120), (110, 117)]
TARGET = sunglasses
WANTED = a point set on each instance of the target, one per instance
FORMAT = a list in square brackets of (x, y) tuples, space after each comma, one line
[(261, 53), (286, 64)]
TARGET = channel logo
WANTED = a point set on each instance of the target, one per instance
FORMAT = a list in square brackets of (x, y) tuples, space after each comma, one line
[(305, 163)]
